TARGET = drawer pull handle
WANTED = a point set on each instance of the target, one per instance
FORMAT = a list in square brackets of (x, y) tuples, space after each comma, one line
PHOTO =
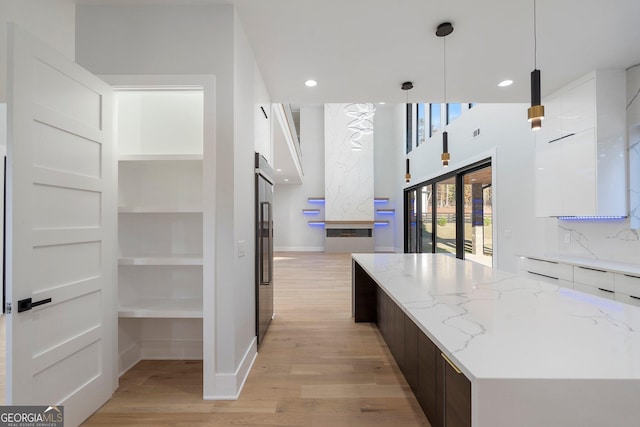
[(634, 297), (544, 260), (629, 275), (591, 269), (606, 290), (543, 275), (455, 368)]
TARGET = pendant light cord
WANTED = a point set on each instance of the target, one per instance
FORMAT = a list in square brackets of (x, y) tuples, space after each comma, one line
[(444, 62), (535, 38)]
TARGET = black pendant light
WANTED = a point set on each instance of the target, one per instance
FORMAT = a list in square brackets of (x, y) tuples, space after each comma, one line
[(535, 113), (407, 86), (444, 30)]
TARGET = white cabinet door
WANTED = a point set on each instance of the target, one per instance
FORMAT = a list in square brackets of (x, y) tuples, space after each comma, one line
[(579, 174), (548, 169), (60, 232), (579, 108)]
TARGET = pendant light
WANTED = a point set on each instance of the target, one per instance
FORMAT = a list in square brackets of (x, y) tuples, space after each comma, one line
[(407, 86), (443, 31), (536, 111)]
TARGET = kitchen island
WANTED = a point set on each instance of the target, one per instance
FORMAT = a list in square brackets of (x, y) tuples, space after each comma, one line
[(528, 353)]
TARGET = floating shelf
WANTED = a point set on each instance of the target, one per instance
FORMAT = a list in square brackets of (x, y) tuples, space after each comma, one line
[(162, 308), (158, 157), (310, 211), (381, 223), (380, 200), (317, 223), (155, 209), (167, 260), (386, 211), (315, 199)]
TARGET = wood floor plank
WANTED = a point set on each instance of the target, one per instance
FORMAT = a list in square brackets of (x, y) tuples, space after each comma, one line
[(316, 367)]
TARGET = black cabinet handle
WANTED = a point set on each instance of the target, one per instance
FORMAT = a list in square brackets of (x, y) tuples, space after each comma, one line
[(543, 275), (634, 297), (606, 290), (26, 304), (592, 269)]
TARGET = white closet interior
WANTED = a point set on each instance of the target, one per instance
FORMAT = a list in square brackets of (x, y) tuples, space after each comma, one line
[(160, 224)]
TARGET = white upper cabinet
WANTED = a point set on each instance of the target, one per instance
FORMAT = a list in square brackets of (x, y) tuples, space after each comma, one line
[(581, 149)]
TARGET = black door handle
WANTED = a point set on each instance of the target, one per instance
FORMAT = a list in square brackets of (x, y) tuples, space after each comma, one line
[(26, 304)]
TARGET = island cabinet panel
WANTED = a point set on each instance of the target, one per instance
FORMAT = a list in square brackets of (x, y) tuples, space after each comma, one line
[(457, 400), (428, 380), (397, 339), (410, 369), (364, 295)]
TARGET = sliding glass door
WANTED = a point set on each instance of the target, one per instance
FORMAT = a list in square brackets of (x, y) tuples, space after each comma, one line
[(478, 224), (452, 214), (446, 216)]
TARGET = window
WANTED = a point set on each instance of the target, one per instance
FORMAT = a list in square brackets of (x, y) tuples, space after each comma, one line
[(472, 104), (421, 136), (452, 214), (453, 112), (409, 141), (434, 118)]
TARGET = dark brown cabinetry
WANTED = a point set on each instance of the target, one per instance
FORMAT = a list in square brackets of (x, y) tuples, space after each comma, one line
[(444, 393)]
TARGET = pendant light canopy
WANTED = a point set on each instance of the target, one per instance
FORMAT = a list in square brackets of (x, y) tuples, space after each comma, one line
[(443, 31), (535, 114)]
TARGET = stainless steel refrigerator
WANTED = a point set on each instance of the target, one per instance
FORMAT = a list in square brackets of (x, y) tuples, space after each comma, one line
[(264, 246)]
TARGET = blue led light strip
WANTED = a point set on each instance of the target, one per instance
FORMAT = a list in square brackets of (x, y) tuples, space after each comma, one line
[(590, 218)]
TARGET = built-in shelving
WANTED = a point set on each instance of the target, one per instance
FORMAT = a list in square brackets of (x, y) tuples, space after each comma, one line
[(315, 199), (160, 223), (159, 157), (168, 260), (380, 200), (160, 209), (386, 211), (176, 308), (310, 211)]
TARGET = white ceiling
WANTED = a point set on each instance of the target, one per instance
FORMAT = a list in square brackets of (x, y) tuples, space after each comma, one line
[(362, 50)]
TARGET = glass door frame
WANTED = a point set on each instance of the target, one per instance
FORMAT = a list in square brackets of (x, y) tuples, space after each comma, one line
[(458, 174)]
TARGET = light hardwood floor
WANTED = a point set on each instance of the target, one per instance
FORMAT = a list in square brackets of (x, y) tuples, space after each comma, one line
[(316, 366)]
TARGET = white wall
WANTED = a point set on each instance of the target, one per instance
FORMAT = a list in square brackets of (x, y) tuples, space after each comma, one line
[(198, 39), (291, 230), (505, 135), (52, 21), (386, 137)]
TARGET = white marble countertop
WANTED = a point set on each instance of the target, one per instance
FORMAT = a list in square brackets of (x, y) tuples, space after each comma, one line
[(496, 325)]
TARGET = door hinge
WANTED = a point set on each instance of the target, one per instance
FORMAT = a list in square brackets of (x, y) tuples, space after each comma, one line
[(7, 308)]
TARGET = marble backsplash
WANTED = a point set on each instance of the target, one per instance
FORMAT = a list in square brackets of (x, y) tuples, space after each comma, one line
[(601, 240)]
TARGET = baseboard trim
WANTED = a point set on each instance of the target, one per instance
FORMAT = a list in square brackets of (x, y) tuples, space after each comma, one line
[(229, 386), (385, 249)]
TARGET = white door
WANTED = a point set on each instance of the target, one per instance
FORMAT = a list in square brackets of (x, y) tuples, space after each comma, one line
[(60, 232)]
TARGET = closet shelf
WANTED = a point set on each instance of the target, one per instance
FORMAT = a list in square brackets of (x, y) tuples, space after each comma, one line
[(158, 157), (159, 209), (157, 260), (162, 308)]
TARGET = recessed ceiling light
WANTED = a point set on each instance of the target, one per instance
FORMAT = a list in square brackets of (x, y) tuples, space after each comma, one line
[(311, 83), (278, 170), (286, 180), (381, 102), (505, 83)]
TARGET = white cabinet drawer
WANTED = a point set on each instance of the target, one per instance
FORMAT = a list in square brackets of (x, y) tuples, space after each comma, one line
[(592, 277), (553, 270), (547, 279), (594, 291), (627, 284), (628, 299)]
